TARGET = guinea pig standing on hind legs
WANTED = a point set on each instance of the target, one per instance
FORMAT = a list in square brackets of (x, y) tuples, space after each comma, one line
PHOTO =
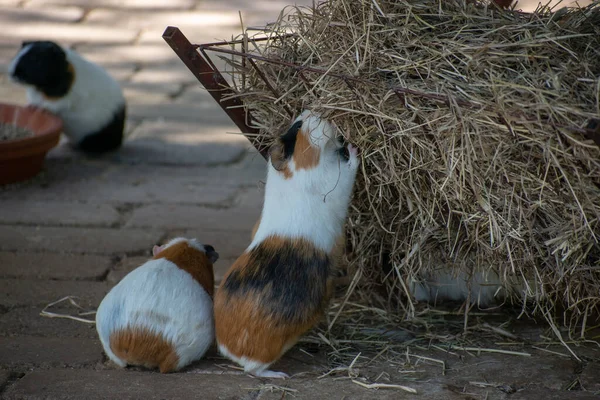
[(279, 287), (87, 99), (161, 313)]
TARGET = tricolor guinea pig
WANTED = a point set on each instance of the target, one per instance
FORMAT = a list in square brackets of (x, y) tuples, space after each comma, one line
[(88, 100), (161, 313), (279, 287)]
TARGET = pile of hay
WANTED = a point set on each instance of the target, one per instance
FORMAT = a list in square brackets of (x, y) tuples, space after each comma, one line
[(472, 123)]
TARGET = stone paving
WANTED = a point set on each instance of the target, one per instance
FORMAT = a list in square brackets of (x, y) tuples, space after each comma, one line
[(84, 223)]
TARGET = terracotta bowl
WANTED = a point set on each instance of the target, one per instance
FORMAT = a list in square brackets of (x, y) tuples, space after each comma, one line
[(22, 159)]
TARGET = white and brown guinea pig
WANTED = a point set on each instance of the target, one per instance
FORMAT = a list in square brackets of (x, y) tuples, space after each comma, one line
[(279, 287), (88, 100), (161, 313)]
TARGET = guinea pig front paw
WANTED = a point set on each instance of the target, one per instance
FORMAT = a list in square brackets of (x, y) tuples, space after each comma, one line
[(352, 150), (353, 156)]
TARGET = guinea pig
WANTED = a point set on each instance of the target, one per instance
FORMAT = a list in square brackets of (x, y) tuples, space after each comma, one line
[(279, 287), (161, 313), (88, 100)]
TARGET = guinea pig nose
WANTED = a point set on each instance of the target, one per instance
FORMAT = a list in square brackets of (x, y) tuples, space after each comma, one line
[(209, 248)]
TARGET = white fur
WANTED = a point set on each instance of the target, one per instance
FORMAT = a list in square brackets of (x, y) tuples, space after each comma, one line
[(254, 367), (250, 366), (94, 99), (159, 287), (313, 204)]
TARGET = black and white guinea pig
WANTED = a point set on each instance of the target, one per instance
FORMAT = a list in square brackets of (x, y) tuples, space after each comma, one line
[(279, 287), (161, 313), (88, 100)]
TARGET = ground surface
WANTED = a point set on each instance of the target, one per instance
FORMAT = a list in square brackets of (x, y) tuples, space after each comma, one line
[(84, 223)]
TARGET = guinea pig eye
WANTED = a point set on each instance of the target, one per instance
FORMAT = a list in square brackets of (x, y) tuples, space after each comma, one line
[(344, 153)]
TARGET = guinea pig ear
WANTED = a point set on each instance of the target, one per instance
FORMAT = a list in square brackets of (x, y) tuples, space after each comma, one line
[(25, 43), (212, 255), (157, 249), (276, 155), (283, 149)]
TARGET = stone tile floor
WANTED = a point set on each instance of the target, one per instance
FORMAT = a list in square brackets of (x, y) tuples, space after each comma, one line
[(81, 225)]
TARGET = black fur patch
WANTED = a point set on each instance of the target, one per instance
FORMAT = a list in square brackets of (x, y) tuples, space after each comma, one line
[(288, 139), (107, 138), (291, 283), (45, 66)]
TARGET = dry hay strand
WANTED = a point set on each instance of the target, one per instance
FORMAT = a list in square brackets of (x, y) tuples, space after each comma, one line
[(82, 312), (471, 122)]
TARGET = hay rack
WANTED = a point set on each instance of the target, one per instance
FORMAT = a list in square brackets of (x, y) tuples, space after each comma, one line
[(198, 60)]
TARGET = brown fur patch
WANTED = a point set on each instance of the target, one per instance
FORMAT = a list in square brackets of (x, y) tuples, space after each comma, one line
[(306, 156), (250, 333), (193, 261), (255, 228), (279, 162), (247, 322), (141, 347)]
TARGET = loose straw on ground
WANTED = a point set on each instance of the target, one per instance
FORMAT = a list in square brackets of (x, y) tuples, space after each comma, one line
[(71, 300)]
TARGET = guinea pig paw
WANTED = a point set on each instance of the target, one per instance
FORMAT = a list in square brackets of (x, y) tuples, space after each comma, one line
[(352, 150), (271, 374)]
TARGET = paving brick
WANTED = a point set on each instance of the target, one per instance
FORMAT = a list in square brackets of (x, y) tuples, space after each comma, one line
[(53, 266), (119, 4), (590, 378), (252, 198), (173, 143), (151, 19), (197, 25), (139, 184), (10, 3), (203, 114), (119, 70), (143, 54), (344, 389), (521, 372), (536, 393), (26, 321), (125, 266), (105, 384), (57, 213), (23, 16), (173, 73), (51, 24), (11, 93), (195, 94), (5, 377), (49, 352), (149, 91), (123, 385), (8, 50), (138, 95), (269, 7), (20, 292), (200, 218), (77, 240)]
